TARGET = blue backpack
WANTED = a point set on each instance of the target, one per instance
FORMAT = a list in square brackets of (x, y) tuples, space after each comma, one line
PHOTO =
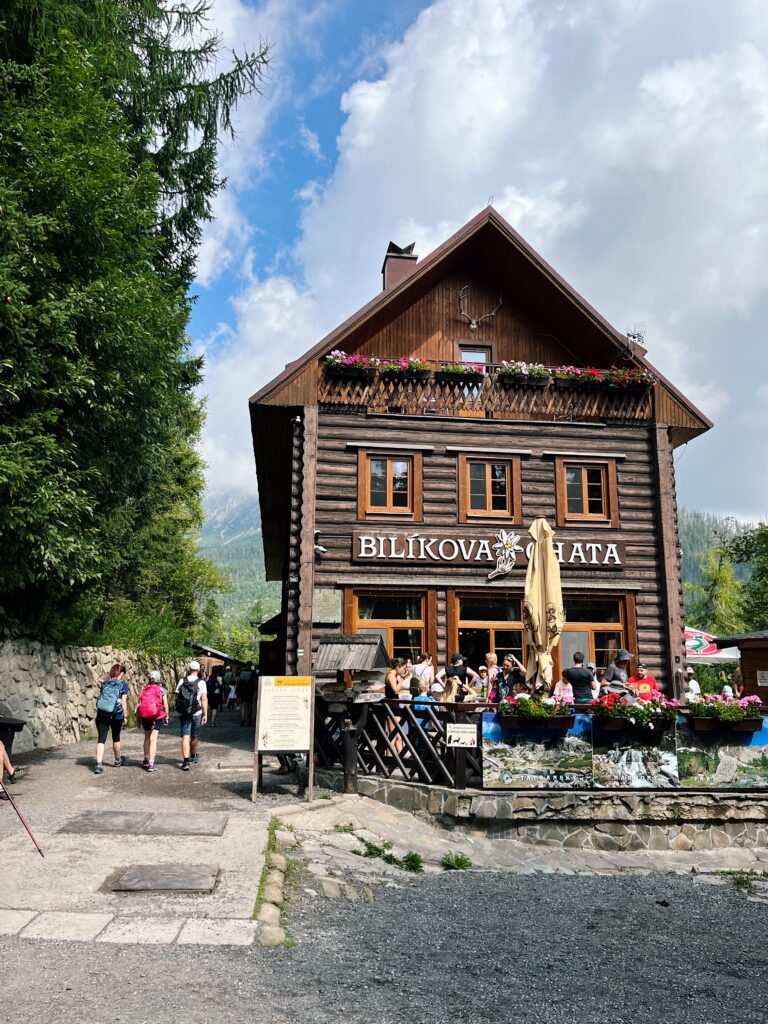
[(109, 698)]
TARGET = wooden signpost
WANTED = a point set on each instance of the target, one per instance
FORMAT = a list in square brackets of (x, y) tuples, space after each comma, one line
[(285, 722)]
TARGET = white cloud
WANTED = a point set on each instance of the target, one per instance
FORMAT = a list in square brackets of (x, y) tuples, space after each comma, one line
[(626, 140), (310, 141)]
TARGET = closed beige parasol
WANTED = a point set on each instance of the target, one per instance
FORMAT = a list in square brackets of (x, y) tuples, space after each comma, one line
[(543, 614)]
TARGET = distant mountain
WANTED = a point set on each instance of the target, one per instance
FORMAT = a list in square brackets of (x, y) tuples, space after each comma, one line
[(700, 531), (231, 538)]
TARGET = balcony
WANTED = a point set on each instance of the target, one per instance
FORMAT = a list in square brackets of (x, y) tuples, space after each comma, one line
[(485, 397)]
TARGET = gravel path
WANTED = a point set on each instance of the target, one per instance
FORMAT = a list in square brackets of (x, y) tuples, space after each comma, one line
[(464, 947)]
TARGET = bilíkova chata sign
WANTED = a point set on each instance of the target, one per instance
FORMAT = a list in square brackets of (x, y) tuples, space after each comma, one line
[(506, 549)]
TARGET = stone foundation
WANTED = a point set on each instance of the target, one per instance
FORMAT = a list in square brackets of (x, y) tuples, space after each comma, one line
[(55, 689), (607, 820)]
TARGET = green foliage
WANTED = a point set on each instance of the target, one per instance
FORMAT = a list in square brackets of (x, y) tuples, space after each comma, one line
[(715, 603), (109, 124), (456, 862), (413, 862), (751, 547), (700, 531)]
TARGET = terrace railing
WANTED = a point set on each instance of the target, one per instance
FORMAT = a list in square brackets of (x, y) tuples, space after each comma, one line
[(487, 398), (394, 740)]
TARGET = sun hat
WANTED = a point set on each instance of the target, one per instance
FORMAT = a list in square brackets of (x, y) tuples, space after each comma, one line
[(623, 655)]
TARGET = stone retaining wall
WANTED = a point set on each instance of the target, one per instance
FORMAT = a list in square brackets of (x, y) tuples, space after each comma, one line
[(55, 689), (607, 820)]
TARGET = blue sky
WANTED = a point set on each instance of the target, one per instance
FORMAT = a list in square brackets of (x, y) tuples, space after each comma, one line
[(627, 140)]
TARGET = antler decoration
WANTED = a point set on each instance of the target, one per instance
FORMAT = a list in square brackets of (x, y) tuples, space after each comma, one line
[(473, 322)]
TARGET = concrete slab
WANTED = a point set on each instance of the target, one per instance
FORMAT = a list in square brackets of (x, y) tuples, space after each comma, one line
[(167, 878), (205, 931), (124, 822), (55, 924), (186, 824), (12, 921), (143, 931)]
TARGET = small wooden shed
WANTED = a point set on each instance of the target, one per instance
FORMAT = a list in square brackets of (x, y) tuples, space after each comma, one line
[(753, 648)]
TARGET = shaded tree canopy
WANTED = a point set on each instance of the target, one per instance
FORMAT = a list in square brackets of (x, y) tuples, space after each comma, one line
[(109, 127)]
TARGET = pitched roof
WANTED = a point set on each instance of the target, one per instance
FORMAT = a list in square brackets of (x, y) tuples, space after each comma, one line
[(487, 219)]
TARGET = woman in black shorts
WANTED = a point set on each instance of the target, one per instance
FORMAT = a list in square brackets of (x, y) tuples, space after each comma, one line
[(111, 713)]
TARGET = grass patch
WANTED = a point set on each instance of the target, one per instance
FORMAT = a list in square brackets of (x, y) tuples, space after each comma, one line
[(272, 829), (413, 862), (347, 829), (293, 875), (742, 881), (456, 862)]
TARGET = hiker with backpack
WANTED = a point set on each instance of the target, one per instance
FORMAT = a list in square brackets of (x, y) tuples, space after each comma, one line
[(152, 713), (111, 713), (192, 706)]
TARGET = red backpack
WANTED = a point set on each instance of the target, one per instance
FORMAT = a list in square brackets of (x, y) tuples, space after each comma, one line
[(151, 701)]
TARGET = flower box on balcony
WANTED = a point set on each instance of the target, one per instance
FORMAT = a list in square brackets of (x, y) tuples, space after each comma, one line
[(458, 376), (519, 374), (551, 723), (748, 725), (350, 370), (703, 723), (404, 373)]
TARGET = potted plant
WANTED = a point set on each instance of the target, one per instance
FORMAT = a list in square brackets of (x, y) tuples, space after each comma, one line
[(340, 364), (405, 368), (566, 376), (517, 374), (712, 711), (535, 713), (649, 718), (460, 373), (625, 378), (591, 377)]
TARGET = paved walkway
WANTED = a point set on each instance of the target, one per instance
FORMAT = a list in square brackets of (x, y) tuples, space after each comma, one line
[(186, 848)]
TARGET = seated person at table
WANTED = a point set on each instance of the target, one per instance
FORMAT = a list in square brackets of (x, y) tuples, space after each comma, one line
[(420, 705), (521, 691), (580, 679), (642, 683)]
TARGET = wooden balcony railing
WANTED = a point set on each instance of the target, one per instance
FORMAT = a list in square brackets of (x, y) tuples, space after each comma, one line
[(487, 398)]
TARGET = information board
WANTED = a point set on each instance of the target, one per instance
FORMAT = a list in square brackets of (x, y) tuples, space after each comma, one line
[(461, 735), (284, 714)]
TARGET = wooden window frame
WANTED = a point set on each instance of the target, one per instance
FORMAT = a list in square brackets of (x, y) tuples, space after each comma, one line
[(513, 514), (627, 623), (487, 346), (415, 513), (427, 624), (566, 518)]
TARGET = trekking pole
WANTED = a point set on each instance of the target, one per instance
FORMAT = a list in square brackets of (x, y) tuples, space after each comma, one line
[(12, 802)]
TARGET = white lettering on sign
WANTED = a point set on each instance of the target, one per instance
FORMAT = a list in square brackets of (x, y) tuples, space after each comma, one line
[(461, 735), (611, 553), (505, 550)]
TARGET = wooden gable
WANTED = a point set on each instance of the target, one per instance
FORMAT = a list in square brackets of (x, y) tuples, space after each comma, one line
[(541, 319)]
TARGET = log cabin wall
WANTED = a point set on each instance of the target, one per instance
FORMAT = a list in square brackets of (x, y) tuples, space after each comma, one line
[(642, 580)]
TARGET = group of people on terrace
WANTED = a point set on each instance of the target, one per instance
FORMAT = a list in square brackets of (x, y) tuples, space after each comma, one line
[(580, 683)]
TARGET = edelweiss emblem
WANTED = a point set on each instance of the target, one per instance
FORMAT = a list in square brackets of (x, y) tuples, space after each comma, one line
[(506, 548)]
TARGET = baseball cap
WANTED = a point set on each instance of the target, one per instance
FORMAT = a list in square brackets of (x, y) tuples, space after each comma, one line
[(155, 676), (456, 658), (689, 671), (592, 665), (194, 665)]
